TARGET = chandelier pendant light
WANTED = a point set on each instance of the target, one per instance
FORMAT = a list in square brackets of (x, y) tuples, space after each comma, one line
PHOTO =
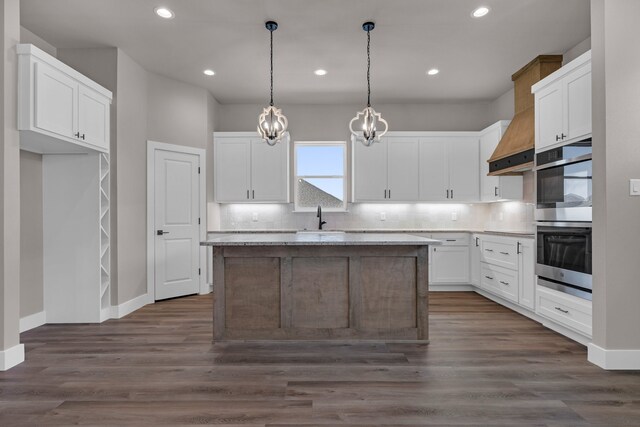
[(364, 126), (272, 124)]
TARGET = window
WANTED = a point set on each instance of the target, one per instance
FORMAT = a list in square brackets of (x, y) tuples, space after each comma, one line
[(320, 169)]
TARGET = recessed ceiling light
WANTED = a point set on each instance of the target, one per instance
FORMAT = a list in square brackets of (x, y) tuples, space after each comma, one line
[(320, 72), (209, 72), (164, 12), (480, 12), (433, 71)]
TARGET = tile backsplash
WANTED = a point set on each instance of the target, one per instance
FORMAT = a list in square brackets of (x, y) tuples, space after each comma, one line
[(499, 216)]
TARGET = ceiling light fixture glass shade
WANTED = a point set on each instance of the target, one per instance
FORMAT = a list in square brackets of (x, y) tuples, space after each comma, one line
[(272, 124), (364, 126)]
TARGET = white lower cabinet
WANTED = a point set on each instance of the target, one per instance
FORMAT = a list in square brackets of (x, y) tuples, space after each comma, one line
[(526, 267), (505, 267), (501, 281), (569, 311), (449, 262)]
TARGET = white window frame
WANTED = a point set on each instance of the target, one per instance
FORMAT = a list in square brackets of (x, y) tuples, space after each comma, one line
[(343, 145)]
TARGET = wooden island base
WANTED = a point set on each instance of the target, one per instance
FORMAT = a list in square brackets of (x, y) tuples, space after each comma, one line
[(321, 293)]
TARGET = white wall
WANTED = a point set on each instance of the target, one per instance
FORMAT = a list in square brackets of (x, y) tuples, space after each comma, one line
[(131, 179), (330, 122), (616, 159), (9, 186), (31, 237), (27, 36)]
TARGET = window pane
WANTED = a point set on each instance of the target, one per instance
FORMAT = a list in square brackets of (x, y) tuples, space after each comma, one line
[(325, 192), (317, 160)]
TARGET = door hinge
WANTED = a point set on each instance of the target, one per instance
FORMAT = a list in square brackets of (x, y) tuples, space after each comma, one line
[(198, 220), (199, 271), (198, 169)]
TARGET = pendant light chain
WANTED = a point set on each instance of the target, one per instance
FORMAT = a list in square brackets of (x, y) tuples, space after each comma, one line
[(368, 126), (271, 53), (368, 68)]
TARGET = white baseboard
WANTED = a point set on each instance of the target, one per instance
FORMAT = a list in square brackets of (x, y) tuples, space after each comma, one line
[(11, 357), (119, 311), (32, 321), (614, 359)]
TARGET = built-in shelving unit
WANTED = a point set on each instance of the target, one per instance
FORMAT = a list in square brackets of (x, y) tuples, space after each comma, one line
[(65, 116), (105, 243)]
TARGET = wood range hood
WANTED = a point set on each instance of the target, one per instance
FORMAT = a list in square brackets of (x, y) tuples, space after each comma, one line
[(515, 152)]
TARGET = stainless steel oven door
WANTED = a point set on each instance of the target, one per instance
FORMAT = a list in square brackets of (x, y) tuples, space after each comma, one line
[(564, 187), (564, 253)]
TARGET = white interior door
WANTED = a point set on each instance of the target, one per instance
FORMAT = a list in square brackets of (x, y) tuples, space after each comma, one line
[(177, 207)]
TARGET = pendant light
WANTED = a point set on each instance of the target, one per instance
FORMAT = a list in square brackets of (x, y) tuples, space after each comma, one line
[(366, 121), (272, 124)]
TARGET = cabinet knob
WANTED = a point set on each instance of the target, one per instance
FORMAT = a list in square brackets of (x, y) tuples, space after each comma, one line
[(488, 277), (82, 137), (561, 310), (495, 191), (504, 283), (77, 134)]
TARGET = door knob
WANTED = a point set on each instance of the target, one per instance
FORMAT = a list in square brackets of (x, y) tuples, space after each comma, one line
[(161, 232)]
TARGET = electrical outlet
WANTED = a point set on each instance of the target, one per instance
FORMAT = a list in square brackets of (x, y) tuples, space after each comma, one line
[(454, 216), (383, 216), (254, 217), (634, 187)]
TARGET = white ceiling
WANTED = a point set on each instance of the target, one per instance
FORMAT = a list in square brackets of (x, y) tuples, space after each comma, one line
[(476, 56)]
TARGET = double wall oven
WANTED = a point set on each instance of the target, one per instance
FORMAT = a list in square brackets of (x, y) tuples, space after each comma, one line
[(563, 218)]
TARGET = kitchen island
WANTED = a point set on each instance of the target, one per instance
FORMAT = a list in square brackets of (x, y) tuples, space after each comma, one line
[(320, 286)]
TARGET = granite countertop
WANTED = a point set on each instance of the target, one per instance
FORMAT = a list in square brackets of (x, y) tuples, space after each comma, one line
[(319, 239), (513, 233)]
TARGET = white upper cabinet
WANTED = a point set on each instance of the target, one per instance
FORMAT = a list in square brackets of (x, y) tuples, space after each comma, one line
[(493, 188), (449, 168), (93, 118), (386, 170), (61, 110), (563, 104), (402, 169), (269, 171), (55, 101), (248, 170), (434, 169), (369, 172)]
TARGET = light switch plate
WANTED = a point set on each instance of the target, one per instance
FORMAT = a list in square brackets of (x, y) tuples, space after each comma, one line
[(634, 187), (254, 217), (454, 216), (383, 216)]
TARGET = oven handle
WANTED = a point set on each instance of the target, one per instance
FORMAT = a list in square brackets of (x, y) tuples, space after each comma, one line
[(564, 224), (565, 289), (562, 162)]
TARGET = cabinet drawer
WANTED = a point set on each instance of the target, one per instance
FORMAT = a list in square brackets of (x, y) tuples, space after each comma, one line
[(573, 312), (502, 254), (452, 239), (500, 281)]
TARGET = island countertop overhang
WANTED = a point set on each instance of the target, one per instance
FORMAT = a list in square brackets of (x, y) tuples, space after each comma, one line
[(320, 239)]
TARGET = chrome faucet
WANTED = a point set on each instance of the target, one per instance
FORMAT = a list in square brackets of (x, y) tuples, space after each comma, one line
[(320, 221)]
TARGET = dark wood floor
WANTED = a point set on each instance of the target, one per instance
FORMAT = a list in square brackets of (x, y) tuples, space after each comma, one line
[(484, 366)]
